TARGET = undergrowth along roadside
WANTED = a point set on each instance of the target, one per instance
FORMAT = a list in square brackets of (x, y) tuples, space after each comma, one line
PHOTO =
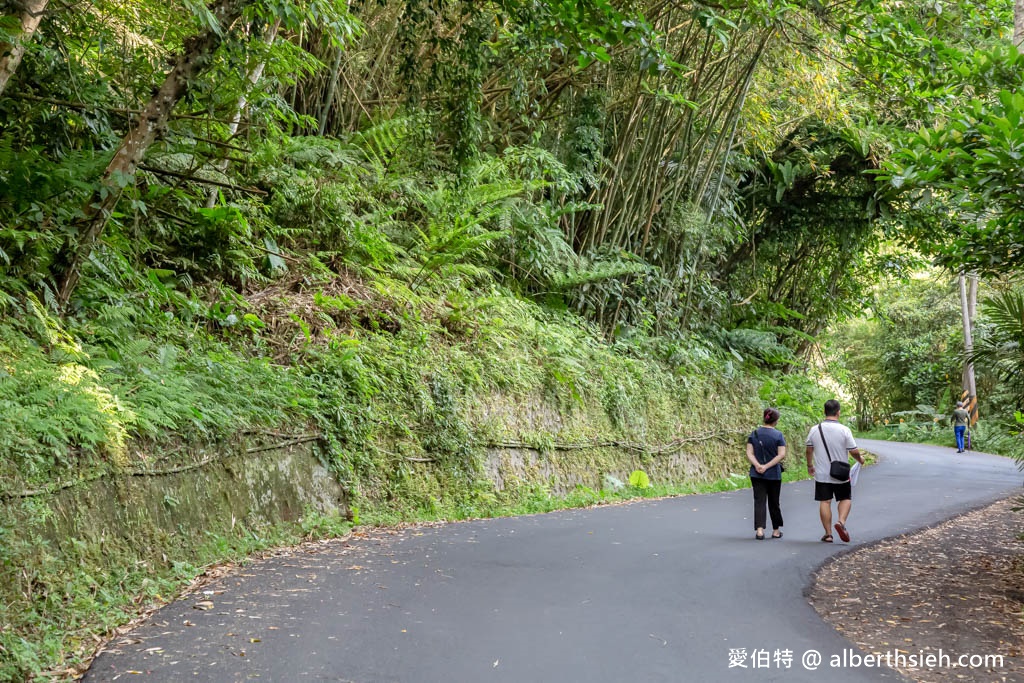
[(991, 436)]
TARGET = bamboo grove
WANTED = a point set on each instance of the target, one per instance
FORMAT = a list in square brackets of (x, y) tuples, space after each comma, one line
[(653, 165)]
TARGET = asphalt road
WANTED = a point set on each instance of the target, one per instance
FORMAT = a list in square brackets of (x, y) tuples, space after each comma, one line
[(665, 590)]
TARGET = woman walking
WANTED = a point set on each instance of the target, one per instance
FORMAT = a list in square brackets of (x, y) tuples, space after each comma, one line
[(766, 447)]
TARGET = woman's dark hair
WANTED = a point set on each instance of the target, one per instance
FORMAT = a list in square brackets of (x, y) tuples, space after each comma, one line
[(771, 416)]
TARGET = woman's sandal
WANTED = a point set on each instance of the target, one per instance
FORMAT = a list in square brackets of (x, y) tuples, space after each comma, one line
[(827, 538), (777, 534), (759, 537)]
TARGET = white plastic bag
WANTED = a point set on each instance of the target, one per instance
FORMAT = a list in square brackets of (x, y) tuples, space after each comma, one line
[(854, 471)]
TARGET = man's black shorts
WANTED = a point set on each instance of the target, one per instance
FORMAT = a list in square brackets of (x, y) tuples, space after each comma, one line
[(824, 490)]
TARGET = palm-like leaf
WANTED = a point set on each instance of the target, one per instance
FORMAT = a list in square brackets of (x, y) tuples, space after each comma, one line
[(1002, 349)]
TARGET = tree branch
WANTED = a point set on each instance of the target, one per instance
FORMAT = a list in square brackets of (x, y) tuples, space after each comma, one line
[(204, 181)]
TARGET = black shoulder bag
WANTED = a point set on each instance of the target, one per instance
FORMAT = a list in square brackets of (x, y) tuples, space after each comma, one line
[(837, 469), (782, 467)]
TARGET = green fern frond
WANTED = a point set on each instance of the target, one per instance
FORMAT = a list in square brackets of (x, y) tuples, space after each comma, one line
[(381, 142)]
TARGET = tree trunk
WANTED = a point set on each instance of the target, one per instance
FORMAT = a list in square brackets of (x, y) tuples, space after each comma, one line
[(254, 77), (965, 314), (194, 59), (972, 296), (1018, 25), (11, 53)]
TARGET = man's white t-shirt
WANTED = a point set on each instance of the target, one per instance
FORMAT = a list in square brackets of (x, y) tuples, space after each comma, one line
[(840, 442)]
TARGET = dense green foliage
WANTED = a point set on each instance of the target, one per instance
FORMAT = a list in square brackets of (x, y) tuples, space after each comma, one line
[(647, 167), (413, 230), (908, 354), (522, 118)]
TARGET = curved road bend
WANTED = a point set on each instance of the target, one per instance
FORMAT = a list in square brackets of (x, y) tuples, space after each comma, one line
[(653, 591)]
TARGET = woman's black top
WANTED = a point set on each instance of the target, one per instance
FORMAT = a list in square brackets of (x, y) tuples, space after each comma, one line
[(766, 442)]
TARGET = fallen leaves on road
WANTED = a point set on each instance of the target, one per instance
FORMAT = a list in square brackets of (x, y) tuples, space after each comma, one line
[(955, 587)]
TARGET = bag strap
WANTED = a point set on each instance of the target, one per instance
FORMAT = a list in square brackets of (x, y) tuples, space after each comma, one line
[(824, 442), (757, 436)]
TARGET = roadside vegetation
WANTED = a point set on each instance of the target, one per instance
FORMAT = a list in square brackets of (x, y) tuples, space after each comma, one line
[(408, 234)]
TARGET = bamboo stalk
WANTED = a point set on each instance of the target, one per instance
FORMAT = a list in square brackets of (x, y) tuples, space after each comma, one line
[(252, 79)]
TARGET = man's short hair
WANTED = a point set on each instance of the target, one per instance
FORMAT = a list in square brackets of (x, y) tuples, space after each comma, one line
[(959, 404), (831, 407)]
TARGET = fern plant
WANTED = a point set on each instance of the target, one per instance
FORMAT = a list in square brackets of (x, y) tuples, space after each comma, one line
[(459, 222)]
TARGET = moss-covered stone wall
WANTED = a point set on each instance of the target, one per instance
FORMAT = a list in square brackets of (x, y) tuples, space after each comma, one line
[(73, 562), (250, 489)]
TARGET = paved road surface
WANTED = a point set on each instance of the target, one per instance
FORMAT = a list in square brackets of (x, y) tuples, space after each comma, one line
[(653, 591)]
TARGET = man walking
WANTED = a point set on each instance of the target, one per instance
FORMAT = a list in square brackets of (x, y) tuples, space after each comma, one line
[(828, 442), (961, 418)]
